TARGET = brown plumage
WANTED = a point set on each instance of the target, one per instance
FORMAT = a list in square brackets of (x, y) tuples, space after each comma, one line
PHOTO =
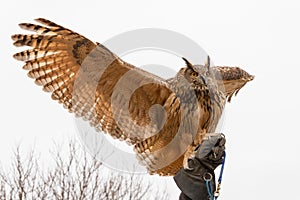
[(163, 119)]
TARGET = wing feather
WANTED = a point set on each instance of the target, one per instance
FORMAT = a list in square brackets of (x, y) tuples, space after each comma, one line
[(231, 79), (83, 77)]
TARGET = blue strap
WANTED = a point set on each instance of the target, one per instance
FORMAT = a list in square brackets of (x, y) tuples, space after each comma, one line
[(209, 190), (215, 195), (222, 168)]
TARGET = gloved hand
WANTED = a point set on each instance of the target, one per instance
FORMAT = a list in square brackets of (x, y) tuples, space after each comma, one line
[(208, 156)]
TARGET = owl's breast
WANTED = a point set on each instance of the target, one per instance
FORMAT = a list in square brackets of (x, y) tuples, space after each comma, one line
[(211, 105)]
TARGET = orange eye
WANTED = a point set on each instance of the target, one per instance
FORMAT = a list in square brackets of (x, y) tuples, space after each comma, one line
[(194, 74)]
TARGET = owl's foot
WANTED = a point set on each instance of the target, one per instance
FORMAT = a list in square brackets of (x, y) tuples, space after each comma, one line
[(186, 164), (189, 154)]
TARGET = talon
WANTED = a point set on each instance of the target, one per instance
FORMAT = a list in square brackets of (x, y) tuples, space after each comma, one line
[(215, 155), (186, 165), (186, 162), (190, 154), (188, 168)]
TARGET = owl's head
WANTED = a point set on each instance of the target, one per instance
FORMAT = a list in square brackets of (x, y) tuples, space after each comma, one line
[(197, 75)]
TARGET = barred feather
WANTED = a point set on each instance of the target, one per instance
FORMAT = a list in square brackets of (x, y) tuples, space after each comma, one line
[(37, 28), (47, 22), (31, 54), (50, 68), (54, 60)]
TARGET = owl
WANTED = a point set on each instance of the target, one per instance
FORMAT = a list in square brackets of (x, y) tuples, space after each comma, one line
[(164, 120)]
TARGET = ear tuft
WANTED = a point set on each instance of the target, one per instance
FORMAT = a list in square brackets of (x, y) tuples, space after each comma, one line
[(188, 64), (207, 63)]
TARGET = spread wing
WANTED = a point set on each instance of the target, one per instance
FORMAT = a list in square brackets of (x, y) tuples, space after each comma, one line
[(92, 82)]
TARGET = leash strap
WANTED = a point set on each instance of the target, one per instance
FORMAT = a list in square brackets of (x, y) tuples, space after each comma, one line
[(216, 194)]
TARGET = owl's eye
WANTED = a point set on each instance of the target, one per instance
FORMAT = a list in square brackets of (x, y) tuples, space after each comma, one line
[(194, 74)]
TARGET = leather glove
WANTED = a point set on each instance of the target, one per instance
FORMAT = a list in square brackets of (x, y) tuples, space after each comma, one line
[(208, 156)]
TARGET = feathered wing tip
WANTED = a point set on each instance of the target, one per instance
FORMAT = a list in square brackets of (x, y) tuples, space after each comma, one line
[(51, 61), (235, 92), (49, 30), (47, 22), (232, 79), (54, 62)]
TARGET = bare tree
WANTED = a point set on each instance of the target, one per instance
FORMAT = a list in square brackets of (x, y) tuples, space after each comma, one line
[(75, 176)]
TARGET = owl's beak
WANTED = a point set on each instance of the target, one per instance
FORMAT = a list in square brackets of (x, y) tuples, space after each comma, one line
[(203, 80)]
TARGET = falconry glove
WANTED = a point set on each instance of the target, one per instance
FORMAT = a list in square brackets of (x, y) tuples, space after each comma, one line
[(208, 156)]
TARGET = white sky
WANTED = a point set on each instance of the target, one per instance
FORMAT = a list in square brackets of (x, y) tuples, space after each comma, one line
[(262, 37)]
